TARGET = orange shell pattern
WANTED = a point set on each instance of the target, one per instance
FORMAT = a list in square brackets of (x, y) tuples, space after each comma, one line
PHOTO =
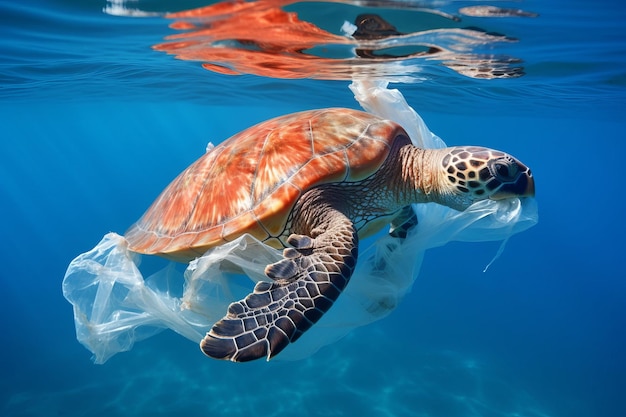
[(250, 182)]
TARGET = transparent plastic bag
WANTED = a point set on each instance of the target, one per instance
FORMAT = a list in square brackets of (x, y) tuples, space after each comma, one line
[(114, 306)]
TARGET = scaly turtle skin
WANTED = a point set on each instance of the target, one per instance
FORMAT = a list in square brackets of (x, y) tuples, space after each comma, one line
[(312, 183)]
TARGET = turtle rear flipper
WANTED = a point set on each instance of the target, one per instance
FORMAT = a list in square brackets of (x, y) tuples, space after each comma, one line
[(306, 284)]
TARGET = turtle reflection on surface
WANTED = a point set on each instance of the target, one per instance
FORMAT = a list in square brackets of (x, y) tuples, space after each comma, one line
[(261, 38)]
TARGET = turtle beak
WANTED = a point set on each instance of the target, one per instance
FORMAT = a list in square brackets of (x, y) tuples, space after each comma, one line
[(522, 186)]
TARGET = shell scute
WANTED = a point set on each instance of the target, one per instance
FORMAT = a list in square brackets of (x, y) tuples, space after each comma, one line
[(322, 170), (232, 229), (364, 157), (280, 159), (368, 153), (273, 210)]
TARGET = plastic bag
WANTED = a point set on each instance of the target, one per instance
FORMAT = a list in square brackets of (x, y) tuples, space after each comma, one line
[(114, 306)]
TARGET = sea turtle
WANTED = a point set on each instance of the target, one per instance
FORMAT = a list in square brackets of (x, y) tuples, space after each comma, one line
[(312, 184)]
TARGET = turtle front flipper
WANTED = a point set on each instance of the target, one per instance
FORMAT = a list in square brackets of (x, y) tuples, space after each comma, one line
[(306, 284)]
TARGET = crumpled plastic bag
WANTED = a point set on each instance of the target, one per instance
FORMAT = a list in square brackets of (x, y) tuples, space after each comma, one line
[(115, 306)]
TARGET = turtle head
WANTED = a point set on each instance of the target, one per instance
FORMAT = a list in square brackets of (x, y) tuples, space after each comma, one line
[(469, 173)]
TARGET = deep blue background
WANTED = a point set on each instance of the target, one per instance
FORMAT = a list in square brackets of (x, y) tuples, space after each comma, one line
[(95, 124)]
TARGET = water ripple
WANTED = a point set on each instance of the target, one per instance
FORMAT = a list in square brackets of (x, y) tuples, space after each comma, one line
[(261, 38)]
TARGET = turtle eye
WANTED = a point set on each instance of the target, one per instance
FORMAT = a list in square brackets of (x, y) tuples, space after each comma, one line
[(503, 169)]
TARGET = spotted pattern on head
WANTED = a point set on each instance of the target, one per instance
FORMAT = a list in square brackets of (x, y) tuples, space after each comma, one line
[(481, 173)]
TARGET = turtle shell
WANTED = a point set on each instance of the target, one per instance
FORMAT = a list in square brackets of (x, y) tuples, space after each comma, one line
[(250, 182)]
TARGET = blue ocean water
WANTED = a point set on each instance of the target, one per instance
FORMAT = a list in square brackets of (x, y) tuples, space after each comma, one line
[(95, 123)]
